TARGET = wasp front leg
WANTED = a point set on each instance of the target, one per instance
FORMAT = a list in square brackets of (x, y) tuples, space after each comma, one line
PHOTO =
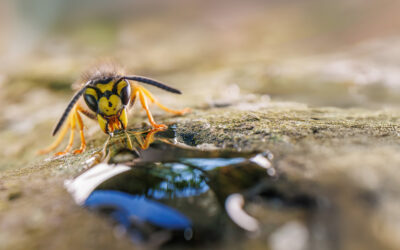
[(143, 101), (143, 95), (81, 126), (148, 140), (57, 142), (73, 118), (154, 100)]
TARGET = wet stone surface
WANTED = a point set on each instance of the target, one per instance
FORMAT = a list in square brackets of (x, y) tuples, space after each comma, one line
[(222, 189), (175, 196)]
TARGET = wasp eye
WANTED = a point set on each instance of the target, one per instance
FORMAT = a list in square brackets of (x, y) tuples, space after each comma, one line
[(125, 94), (91, 102), (91, 97)]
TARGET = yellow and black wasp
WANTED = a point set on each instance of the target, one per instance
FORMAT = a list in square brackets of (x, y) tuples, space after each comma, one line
[(106, 96)]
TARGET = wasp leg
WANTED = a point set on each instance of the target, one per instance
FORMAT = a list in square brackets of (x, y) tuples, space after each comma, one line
[(83, 142), (57, 142), (129, 140), (133, 96), (73, 118), (153, 100), (72, 125), (149, 139), (143, 101), (144, 144), (138, 136)]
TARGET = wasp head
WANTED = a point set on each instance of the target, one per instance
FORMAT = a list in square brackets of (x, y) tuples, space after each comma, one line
[(108, 97)]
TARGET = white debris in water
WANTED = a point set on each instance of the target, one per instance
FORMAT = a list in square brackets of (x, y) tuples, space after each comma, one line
[(83, 185), (90, 161), (261, 160), (291, 236), (270, 156), (234, 207), (207, 146), (271, 172)]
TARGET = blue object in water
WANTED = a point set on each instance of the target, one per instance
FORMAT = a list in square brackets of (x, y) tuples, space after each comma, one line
[(135, 206)]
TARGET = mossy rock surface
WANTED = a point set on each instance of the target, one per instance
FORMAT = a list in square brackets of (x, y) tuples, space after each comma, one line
[(348, 156)]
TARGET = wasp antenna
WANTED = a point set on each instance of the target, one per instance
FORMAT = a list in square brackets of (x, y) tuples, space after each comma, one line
[(71, 104), (152, 82)]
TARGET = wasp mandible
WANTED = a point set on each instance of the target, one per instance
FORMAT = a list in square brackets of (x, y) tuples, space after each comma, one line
[(106, 96)]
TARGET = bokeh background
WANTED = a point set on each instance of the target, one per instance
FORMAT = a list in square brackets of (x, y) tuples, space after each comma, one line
[(300, 50), (321, 53)]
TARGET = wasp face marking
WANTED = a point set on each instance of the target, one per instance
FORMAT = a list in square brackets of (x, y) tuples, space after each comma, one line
[(110, 106), (108, 99)]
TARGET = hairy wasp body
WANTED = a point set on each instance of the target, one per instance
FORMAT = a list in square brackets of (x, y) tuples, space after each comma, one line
[(106, 96)]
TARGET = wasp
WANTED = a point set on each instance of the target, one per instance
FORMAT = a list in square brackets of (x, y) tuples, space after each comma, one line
[(106, 95)]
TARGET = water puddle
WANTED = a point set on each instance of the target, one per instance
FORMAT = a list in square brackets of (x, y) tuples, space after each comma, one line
[(167, 194)]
